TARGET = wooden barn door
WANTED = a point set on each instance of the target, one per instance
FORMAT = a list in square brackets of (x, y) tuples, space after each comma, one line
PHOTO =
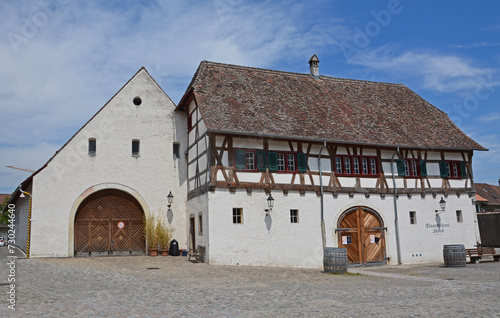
[(109, 222), (361, 232)]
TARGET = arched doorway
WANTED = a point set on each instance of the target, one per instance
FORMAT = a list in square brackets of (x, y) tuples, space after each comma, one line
[(109, 222), (361, 231)]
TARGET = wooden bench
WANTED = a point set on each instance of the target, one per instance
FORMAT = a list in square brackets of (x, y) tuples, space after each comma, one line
[(198, 254), (477, 253)]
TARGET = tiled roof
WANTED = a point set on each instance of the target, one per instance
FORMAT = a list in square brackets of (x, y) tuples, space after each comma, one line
[(251, 101), (489, 192)]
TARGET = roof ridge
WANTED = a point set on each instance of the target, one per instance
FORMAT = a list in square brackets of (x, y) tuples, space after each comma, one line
[(267, 70)]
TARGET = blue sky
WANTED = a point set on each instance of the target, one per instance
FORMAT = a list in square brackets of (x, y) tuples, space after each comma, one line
[(62, 60)]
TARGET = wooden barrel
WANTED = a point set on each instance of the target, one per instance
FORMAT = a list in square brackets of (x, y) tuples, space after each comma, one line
[(335, 260), (454, 255)]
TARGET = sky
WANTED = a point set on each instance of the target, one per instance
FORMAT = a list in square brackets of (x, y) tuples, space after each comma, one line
[(62, 60)]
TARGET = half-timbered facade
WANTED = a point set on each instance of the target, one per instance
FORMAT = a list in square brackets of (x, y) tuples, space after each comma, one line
[(375, 159)]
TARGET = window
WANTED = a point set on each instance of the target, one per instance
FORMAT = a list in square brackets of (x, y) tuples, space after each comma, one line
[(135, 148), (237, 215), (259, 160), (200, 224), (92, 146), (411, 168), (459, 216), (413, 217), (294, 216), (245, 159), (346, 165), (281, 162), (453, 169), (137, 101), (176, 150)]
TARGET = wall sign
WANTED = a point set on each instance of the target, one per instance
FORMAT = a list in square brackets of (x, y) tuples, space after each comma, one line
[(372, 238), (121, 225)]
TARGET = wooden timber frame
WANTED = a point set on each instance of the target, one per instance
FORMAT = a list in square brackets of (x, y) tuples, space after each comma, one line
[(230, 179)]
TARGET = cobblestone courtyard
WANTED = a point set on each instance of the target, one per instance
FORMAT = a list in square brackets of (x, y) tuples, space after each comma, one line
[(131, 287)]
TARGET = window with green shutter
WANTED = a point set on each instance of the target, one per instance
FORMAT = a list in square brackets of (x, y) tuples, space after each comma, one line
[(240, 159), (261, 160), (463, 170), (302, 160), (272, 160), (443, 169), (423, 168), (400, 163)]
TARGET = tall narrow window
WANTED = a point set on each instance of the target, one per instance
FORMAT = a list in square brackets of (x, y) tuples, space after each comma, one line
[(294, 216), (237, 215), (413, 217), (200, 224), (347, 165), (92, 146), (135, 148), (291, 162), (356, 165), (176, 150), (250, 162), (459, 216), (338, 165), (365, 165), (281, 162), (373, 163)]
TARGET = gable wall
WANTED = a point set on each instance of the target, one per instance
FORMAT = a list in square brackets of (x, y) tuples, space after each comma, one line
[(73, 174)]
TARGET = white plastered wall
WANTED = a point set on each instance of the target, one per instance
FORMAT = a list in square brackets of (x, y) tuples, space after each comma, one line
[(73, 174)]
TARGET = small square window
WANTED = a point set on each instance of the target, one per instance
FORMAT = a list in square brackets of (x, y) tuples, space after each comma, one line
[(294, 216), (413, 217), (459, 216), (92, 146), (135, 148), (237, 215)]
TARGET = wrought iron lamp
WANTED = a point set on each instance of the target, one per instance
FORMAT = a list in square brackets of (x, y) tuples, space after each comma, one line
[(442, 204), (170, 199), (270, 204)]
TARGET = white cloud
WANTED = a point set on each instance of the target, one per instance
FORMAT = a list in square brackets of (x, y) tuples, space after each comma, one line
[(434, 71), (64, 61)]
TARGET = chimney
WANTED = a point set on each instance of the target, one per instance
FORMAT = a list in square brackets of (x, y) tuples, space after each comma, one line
[(499, 182), (313, 66)]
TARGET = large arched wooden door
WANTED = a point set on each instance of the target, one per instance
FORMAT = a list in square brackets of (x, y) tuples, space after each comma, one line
[(361, 232), (109, 222)]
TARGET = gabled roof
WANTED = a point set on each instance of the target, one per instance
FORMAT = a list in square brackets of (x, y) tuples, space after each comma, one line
[(260, 102), (489, 192)]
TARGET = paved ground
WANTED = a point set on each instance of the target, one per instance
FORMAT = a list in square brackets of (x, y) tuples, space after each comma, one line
[(125, 287)]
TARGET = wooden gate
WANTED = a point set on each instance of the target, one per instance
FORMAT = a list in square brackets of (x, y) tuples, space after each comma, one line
[(361, 231), (109, 222)]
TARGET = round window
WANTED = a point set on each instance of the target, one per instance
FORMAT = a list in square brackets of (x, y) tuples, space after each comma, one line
[(137, 101)]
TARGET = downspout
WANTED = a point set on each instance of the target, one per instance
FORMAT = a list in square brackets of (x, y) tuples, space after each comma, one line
[(323, 236), (29, 223), (396, 222)]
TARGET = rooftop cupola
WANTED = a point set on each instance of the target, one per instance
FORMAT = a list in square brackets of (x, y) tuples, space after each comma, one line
[(313, 66)]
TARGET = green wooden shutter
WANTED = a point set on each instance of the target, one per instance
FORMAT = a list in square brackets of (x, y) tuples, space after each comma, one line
[(423, 168), (463, 169), (400, 163), (442, 169), (240, 159), (273, 160), (261, 160), (302, 160)]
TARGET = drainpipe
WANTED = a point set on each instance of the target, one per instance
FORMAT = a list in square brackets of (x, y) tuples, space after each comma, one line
[(323, 237), (29, 222), (396, 222)]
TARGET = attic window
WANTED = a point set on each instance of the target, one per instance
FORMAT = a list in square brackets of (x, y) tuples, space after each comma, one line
[(135, 148), (137, 101)]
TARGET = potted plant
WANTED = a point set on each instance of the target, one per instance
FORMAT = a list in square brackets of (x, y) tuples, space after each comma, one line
[(151, 234), (165, 235)]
